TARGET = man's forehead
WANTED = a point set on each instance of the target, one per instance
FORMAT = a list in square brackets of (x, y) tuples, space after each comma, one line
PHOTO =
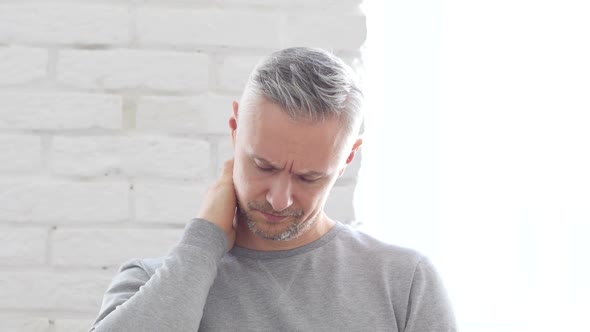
[(271, 134)]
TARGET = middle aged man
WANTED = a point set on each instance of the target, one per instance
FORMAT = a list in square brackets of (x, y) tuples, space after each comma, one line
[(262, 254)]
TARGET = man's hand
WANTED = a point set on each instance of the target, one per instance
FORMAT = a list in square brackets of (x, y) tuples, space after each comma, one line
[(219, 205)]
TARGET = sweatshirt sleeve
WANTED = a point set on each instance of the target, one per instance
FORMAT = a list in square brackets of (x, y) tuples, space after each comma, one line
[(174, 297), (429, 308)]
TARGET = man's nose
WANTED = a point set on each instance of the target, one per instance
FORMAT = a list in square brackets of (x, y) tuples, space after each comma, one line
[(279, 194)]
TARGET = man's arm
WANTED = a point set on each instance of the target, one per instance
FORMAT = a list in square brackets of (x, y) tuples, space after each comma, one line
[(429, 308), (174, 297)]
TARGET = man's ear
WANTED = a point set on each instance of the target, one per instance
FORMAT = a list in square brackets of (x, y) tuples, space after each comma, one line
[(233, 122), (355, 148)]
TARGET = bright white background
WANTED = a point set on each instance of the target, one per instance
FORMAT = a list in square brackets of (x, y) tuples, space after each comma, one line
[(477, 153)]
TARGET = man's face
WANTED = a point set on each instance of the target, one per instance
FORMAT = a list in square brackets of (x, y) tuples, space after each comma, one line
[(284, 169)]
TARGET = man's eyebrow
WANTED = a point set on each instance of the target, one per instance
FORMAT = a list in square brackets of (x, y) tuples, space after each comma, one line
[(312, 174), (264, 161), (305, 174)]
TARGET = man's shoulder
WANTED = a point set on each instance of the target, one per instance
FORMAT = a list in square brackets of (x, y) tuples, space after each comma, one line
[(361, 245)]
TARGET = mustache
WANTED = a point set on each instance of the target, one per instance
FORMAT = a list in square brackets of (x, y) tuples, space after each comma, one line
[(267, 208)]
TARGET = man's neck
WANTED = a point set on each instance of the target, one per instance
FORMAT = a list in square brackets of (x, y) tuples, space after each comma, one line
[(246, 239)]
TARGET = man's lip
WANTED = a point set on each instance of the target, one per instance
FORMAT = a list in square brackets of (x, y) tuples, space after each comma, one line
[(272, 217)]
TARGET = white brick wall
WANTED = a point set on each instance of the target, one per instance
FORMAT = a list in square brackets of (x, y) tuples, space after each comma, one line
[(111, 246), (59, 110), (151, 156), (23, 246), (133, 69), (156, 203), (22, 64), (63, 23), (204, 114), (39, 200), (20, 153), (113, 121), (203, 27)]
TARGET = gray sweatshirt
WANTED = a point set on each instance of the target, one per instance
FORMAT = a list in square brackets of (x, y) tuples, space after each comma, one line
[(344, 281)]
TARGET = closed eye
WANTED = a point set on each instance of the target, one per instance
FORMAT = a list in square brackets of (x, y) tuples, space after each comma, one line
[(308, 180), (265, 168)]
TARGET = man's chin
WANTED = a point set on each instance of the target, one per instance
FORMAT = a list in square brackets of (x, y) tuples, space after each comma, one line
[(268, 230), (283, 231)]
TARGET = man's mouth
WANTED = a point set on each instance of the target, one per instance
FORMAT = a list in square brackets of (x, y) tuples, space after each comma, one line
[(272, 217)]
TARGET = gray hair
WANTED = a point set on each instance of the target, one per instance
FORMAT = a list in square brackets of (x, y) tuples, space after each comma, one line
[(309, 84)]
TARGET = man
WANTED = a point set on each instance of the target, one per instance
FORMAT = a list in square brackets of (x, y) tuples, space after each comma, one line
[(262, 255)]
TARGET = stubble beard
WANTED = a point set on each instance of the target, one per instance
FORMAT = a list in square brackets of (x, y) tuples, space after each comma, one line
[(296, 228)]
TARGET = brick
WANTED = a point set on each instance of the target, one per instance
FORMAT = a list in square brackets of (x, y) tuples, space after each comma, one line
[(74, 325), (307, 4), (109, 247), (225, 151), (336, 32), (64, 24), (22, 246), (59, 111), (339, 205), (205, 114), (39, 323), (158, 156), (20, 65), (167, 204), (63, 202), (233, 71), (134, 69), (24, 323), (200, 27), (53, 290), (20, 153)]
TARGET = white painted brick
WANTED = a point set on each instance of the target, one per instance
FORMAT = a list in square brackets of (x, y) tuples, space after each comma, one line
[(20, 153), (167, 204), (233, 71), (40, 323), (135, 156), (53, 290), (63, 202), (206, 114), (109, 247), (225, 151), (169, 157), (339, 205), (200, 27), (22, 323), (22, 246), (59, 111), (21, 64), (65, 23), (74, 325), (314, 4), (337, 32), (134, 69), (173, 3)]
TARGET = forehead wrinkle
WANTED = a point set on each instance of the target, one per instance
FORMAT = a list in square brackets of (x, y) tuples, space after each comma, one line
[(275, 166)]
